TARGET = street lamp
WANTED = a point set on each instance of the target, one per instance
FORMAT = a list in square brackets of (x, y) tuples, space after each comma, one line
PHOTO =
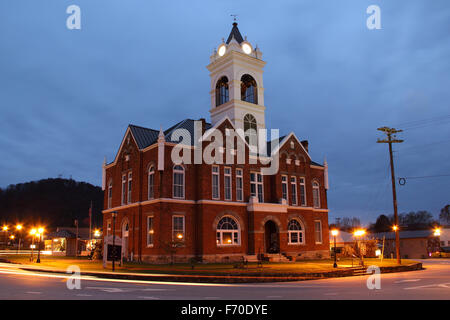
[(5, 230), (334, 233), (359, 233), (32, 234), (437, 232), (19, 228), (39, 234), (396, 230)]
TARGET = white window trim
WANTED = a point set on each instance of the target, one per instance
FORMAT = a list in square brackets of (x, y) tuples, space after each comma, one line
[(241, 176), (184, 226), (318, 194), (230, 176), (110, 195), (129, 188), (151, 172), (287, 187), (124, 189), (293, 183), (238, 231), (302, 231), (108, 227), (302, 182), (218, 182), (257, 183), (321, 232), (184, 182), (150, 245)]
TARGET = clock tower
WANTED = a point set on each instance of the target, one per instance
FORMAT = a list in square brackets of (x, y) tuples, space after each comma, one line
[(237, 91)]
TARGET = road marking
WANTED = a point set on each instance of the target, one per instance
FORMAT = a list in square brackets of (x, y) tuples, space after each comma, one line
[(33, 292), (274, 297), (407, 280), (436, 285), (212, 298), (110, 290), (84, 295), (148, 298)]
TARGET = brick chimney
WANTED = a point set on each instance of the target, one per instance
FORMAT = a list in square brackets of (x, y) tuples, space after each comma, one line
[(305, 144)]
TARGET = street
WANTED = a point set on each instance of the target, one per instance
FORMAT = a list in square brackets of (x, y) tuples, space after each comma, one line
[(432, 283)]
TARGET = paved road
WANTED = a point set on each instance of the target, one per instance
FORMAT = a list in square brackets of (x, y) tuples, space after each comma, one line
[(432, 283)]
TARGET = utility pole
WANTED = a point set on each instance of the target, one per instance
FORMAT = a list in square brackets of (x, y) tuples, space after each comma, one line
[(391, 138)]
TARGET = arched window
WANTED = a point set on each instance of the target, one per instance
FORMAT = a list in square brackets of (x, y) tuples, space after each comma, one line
[(151, 182), (227, 232), (316, 194), (248, 89), (178, 182), (250, 127), (222, 94), (295, 231)]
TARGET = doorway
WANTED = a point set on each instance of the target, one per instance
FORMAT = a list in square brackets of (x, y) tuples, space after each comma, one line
[(271, 237)]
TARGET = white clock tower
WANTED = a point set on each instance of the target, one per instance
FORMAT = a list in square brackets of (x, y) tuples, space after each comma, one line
[(237, 90)]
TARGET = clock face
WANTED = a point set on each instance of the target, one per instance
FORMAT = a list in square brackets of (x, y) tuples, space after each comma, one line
[(222, 50), (246, 48)]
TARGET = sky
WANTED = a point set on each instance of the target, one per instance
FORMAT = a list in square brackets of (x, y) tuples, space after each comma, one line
[(67, 96)]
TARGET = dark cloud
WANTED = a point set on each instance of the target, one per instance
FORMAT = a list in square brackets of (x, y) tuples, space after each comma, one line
[(66, 97)]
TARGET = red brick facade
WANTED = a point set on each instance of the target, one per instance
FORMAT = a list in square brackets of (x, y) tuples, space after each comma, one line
[(260, 225)]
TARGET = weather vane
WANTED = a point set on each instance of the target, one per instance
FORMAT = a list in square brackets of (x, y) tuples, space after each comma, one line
[(234, 17)]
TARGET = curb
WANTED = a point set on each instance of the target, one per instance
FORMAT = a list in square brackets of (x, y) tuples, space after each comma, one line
[(229, 278)]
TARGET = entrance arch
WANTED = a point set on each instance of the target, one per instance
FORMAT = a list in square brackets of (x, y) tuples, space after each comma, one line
[(271, 237)]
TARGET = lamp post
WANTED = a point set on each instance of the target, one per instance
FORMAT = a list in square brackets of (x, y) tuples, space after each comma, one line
[(359, 233), (334, 233), (19, 231), (39, 234), (114, 215), (33, 234), (5, 231)]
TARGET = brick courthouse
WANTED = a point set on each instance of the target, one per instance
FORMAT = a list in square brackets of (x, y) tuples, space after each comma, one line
[(218, 211)]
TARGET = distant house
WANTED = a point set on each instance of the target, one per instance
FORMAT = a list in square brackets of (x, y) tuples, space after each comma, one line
[(445, 239), (414, 244), (63, 241)]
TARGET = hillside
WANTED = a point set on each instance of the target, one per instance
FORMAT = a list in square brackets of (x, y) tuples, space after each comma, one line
[(52, 203)]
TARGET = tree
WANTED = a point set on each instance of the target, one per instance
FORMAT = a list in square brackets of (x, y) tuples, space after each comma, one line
[(348, 224), (383, 224), (416, 220), (444, 216)]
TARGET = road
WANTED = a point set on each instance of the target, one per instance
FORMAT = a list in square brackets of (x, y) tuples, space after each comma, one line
[(432, 283)]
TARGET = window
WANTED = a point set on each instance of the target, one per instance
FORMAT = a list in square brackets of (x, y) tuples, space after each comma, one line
[(239, 185), (222, 94), (250, 127), (227, 183), (295, 232), (294, 191), (124, 189), (130, 180), (178, 228), (316, 195), (150, 231), (227, 232), (215, 182), (318, 231), (284, 188), (178, 182), (110, 194), (108, 227), (256, 186), (248, 89), (302, 192), (151, 182)]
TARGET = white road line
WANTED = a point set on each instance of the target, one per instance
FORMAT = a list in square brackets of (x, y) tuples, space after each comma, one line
[(33, 292), (407, 280), (148, 298), (84, 295), (274, 297), (436, 285), (212, 298)]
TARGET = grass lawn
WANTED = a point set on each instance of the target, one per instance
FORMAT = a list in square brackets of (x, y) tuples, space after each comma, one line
[(306, 266)]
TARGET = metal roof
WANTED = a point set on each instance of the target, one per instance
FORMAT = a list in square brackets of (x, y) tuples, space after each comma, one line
[(408, 234), (236, 34)]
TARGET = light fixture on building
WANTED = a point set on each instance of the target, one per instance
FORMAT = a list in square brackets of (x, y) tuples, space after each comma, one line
[(247, 48), (222, 50)]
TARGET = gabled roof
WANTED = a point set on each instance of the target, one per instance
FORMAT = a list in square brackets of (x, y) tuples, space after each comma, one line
[(407, 234), (143, 136), (236, 34)]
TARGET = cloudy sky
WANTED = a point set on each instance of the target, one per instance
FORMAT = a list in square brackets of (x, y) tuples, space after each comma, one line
[(67, 96)]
